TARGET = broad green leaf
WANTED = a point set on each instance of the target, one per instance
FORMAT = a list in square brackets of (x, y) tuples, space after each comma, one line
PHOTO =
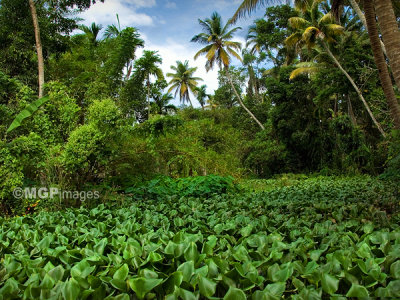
[(187, 269), (207, 286), (122, 273), (141, 286), (29, 110), (71, 289), (235, 294), (329, 284), (191, 252), (357, 291), (395, 269)]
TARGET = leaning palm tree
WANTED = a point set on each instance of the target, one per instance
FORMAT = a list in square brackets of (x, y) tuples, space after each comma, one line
[(183, 81), (379, 49), (202, 95), (147, 65), (218, 50), (321, 30)]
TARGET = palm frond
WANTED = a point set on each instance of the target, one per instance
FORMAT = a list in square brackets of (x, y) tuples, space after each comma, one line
[(298, 23)]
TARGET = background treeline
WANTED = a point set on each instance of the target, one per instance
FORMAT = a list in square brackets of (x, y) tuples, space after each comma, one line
[(108, 120)]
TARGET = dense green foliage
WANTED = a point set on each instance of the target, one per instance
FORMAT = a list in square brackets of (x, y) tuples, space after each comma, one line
[(317, 238)]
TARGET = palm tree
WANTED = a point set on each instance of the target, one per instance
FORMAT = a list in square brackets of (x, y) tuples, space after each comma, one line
[(322, 30), (202, 95), (161, 104), (219, 48), (390, 34), (183, 81), (112, 31), (148, 66), (378, 49), (39, 49), (380, 61), (92, 32)]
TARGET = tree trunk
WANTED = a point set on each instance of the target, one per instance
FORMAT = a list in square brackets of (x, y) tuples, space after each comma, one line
[(351, 112), (241, 102), (355, 88), (381, 63), (361, 16), (39, 49), (390, 34)]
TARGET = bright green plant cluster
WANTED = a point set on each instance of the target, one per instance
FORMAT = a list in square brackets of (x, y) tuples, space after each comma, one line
[(199, 186), (281, 243)]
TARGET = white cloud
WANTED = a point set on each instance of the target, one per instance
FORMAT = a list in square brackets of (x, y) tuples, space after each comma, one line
[(170, 4), (105, 13)]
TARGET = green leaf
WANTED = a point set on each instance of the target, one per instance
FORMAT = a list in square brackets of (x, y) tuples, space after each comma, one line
[(395, 269), (276, 289), (71, 289), (357, 291), (100, 246), (122, 273), (57, 273), (207, 286), (141, 286), (82, 269), (187, 269), (191, 252), (329, 284), (29, 110), (235, 294)]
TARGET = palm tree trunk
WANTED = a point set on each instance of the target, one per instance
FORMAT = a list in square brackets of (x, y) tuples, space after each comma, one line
[(355, 88), (241, 102), (390, 34), (363, 19), (39, 48), (381, 63)]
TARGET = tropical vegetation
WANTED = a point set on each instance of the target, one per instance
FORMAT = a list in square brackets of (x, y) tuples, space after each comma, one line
[(280, 183)]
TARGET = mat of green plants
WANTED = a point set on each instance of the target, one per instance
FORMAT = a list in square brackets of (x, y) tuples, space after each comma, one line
[(316, 238)]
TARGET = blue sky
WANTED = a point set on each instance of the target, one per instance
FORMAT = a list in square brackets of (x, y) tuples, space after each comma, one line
[(169, 25)]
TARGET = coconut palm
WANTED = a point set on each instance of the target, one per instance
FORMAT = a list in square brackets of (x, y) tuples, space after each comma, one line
[(183, 81), (202, 95), (147, 65), (321, 30), (378, 48), (219, 49)]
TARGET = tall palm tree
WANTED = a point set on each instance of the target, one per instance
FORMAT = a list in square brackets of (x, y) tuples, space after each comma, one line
[(202, 95), (380, 61), (219, 48), (148, 66), (183, 81), (39, 49), (92, 32), (390, 34), (322, 30), (378, 49)]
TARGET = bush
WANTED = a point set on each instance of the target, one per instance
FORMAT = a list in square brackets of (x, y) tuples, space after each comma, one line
[(199, 186)]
